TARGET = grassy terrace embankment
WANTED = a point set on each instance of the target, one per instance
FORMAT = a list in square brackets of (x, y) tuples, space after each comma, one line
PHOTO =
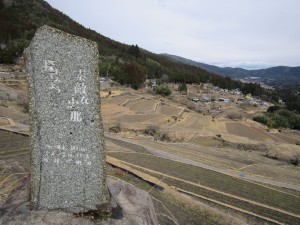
[(249, 196)]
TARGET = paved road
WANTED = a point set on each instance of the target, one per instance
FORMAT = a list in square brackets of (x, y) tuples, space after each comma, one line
[(237, 174)]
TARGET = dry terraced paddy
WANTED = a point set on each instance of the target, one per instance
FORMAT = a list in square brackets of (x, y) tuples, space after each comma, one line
[(196, 122), (226, 159), (120, 99), (258, 199), (239, 129), (170, 110), (222, 158), (142, 105)]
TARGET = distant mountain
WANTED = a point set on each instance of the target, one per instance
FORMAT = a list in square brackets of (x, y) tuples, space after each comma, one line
[(280, 76)]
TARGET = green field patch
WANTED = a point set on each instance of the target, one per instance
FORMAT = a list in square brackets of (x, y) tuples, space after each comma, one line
[(125, 144), (166, 206), (215, 180)]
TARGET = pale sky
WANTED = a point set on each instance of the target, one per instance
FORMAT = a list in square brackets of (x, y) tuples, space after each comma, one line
[(238, 33)]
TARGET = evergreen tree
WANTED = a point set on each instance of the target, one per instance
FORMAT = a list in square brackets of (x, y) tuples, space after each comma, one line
[(182, 88), (134, 50)]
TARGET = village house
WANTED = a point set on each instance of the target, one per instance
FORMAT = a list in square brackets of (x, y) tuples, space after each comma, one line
[(226, 100), (206, 99)]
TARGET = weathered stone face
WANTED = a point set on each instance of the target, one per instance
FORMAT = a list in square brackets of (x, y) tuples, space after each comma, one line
[(68, 158)]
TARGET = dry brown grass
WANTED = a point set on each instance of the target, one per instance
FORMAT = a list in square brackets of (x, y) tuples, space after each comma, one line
[(119, 172), (217, 216), (285, 152), (9, 182), (234, 115)]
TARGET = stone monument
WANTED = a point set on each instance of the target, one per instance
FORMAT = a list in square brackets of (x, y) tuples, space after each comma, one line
[(68, 155)]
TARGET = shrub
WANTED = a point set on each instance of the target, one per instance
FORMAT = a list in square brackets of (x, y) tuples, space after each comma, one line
[(182, 88), (164, 137), (279, 118), (273, 108), (119, 172), (234, 115), (261, 119), (163, 90), (292, 117), (151, 130), (294, 161), (155, 132), (296, 124), (279, 121), (286, 113), (116, 129)]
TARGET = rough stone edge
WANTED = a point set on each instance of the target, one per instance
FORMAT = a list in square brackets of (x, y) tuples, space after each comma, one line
[(28, 68), (12, 214), (34, 126)]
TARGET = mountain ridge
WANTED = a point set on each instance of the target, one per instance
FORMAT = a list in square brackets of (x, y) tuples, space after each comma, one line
[(278, 76)]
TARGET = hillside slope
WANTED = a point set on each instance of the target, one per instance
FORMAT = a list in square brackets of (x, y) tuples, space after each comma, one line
[(21, 18)]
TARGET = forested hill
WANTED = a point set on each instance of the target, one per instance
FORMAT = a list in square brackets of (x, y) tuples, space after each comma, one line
[(279, 76), (21, 18), (128, 64)]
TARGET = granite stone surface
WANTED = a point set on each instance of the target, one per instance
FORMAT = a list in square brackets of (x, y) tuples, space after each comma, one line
[(68, 155)]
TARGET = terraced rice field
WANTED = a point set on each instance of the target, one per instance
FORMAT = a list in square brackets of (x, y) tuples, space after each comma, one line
[(127, 145), (195, 122), (288, 138), (115, 100), (121, 99), (223, 158), (142, 105), (251, 197), (240, 129), (170, 110), (146, 118)]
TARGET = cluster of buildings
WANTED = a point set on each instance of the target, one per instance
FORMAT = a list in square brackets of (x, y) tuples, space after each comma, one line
[(214, 105), (248, 99)]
